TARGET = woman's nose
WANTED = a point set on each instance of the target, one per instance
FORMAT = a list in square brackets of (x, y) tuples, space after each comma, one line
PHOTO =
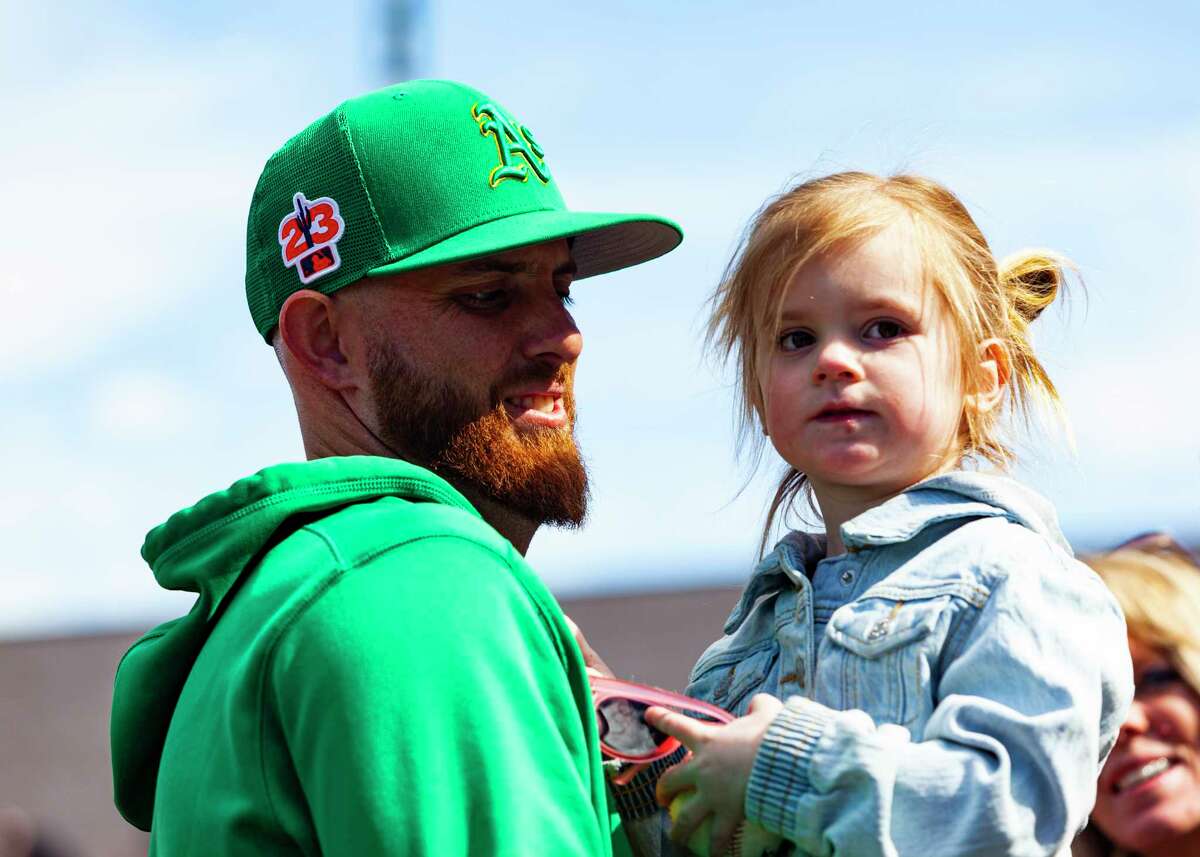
[(1137, 721)]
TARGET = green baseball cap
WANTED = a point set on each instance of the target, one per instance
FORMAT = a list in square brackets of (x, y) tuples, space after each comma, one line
[(417, 174)]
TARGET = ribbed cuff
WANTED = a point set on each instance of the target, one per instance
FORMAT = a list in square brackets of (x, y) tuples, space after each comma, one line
[(780, 776)]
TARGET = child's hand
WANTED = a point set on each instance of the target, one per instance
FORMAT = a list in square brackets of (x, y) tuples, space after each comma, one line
[(718, 768), (593, 662)]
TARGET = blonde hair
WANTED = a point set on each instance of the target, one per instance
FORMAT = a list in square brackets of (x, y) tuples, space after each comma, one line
[(1158, 588), (843, 210)]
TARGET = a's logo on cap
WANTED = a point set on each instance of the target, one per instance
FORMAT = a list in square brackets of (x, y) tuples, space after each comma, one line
[(308, 237), (513, 141)]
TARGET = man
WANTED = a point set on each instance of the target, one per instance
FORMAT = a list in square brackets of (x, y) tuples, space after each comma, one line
[(371, 667)]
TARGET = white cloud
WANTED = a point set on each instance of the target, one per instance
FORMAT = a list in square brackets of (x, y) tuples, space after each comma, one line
[(141, 403), (129, 175), (113, 226)]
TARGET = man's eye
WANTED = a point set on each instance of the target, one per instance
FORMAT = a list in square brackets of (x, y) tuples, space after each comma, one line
[(487, 299), (564, 295), (794, 340), (884, 329), (1159, 678)]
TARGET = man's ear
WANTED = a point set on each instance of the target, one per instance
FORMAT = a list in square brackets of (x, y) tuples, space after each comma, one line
[(309, 328), (994, 370)]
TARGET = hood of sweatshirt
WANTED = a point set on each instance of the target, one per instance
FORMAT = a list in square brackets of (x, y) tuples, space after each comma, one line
[(206, 549)]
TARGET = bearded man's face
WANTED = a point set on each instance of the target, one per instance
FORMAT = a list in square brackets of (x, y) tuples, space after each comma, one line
[(469, 435)]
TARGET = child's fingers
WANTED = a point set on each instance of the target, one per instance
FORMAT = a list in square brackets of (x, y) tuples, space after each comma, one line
[(675, 779), (723, 829), (687, 817), (686, 729), (764, 703)]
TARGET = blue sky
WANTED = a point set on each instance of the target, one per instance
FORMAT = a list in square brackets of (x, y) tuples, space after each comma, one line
[(134, 383)]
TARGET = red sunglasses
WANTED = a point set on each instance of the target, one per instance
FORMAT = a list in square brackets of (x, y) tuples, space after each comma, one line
[(620, 718)]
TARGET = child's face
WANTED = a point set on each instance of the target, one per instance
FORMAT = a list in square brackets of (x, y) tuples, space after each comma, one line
[(864, 388)]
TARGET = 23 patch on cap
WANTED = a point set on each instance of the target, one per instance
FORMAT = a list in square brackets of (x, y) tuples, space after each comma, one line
[(308, 237)]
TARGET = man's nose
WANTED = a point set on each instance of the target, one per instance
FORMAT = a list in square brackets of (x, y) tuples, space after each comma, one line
[(837, 360), (552, 336)]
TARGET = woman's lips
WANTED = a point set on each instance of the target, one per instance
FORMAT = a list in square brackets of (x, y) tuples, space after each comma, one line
[(1140, 774)]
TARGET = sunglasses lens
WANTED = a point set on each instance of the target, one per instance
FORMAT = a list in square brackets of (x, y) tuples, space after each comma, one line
[(623, 728)]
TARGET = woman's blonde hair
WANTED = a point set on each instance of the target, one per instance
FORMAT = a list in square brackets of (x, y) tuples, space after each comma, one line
[(843, 210), (1158, 588)]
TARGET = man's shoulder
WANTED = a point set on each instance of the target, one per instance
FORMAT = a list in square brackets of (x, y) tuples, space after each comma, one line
[(415, 555), (372, 532), (412, 558), (410, 579)]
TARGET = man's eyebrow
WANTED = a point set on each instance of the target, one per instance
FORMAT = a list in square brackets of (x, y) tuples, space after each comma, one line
[(492, 266), (498, 266)]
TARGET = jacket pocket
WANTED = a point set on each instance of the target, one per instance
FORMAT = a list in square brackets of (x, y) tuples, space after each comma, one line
[(879, 654)]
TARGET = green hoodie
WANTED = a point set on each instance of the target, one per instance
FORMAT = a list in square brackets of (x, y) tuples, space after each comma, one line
[(369, 669)]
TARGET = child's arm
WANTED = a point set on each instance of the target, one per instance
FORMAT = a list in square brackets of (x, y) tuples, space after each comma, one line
[(1029, 701)]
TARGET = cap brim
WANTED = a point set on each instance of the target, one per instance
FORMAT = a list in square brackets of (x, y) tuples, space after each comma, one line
[(603, 242)]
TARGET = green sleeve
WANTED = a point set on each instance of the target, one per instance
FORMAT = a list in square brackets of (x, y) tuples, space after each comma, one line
[(620, 841), (427, 711)]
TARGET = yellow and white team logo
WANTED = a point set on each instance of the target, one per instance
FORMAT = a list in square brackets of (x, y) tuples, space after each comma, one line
[(519, 153)]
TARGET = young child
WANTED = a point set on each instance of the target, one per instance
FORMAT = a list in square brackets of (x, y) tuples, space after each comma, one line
[(953, 678)]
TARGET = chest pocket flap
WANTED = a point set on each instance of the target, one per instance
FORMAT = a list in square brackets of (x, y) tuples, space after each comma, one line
[(872, 627)]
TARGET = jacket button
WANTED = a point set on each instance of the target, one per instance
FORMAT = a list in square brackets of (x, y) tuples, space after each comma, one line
[(847, 577)]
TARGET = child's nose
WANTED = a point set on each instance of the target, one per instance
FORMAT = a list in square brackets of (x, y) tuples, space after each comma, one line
[(837, 361)]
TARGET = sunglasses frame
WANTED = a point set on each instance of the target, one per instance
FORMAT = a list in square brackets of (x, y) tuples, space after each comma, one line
[(605, 689)]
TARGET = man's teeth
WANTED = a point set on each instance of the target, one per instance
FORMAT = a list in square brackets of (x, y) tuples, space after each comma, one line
[(545, 404), (1145, 772)]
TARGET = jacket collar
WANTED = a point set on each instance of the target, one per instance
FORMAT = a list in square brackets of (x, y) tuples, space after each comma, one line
[(794, 557), (951, 496)]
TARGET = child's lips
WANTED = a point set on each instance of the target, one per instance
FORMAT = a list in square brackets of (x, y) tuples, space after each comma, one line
[(835, 415)]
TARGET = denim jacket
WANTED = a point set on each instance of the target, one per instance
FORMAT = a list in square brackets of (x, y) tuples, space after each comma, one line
[(954, 681)]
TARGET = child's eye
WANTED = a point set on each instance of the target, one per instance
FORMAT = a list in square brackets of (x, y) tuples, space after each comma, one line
[(885, 328), (1156, 679), (794, 340)]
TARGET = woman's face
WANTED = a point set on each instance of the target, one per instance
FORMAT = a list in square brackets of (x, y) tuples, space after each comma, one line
[(1148, 795)]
